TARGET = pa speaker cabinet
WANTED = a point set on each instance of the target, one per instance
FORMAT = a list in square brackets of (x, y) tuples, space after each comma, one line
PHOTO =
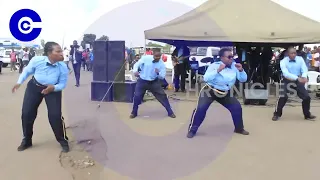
[(100, 62), (124, 91), (255, 95), (99, 91), (116, 60)]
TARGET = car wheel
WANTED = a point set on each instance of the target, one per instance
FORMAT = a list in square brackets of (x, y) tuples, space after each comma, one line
[(263, 101)]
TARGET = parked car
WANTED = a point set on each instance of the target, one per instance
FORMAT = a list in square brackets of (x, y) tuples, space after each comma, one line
[(5, 54)]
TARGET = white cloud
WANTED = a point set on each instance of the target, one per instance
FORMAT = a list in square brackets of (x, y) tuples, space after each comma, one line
[(71, 18)]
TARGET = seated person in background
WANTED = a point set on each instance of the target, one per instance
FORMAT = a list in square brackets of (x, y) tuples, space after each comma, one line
[(316, 60), (194, 66)]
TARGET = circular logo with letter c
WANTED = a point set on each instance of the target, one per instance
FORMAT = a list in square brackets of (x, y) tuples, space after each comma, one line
[(24, 25)]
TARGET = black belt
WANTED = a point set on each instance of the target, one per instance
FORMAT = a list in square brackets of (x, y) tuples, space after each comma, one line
[(217, 90), (37, 83), (291, 80)]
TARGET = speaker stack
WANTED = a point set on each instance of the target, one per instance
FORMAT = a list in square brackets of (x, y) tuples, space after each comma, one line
[(109, 73)]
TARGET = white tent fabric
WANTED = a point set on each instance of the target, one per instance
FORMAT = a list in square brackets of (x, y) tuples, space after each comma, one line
[(239, 21)]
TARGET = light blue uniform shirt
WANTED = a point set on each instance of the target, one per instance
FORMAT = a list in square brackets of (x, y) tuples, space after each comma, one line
[(292, 69), (225, 79), (46, 73), (147, 68)]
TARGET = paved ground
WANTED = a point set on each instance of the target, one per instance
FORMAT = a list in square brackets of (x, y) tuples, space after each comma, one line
[(287, 149)]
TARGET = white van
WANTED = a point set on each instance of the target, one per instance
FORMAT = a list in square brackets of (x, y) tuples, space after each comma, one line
[(5, 56), (203, 52)]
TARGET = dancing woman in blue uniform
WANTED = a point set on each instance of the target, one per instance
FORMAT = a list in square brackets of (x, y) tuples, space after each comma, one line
[(220, 78)]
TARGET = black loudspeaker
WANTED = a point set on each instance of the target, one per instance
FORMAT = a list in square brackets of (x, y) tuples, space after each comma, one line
[(116, 60), (254, 95), (99, 91), (100, 62), (124, 91)]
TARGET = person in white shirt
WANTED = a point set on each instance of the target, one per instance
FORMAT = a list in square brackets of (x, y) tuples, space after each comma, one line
[(20, 55), (25, 57), (66, 57)]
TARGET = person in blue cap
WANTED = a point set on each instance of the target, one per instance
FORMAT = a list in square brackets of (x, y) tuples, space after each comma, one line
[(220, 78), (151, 71)]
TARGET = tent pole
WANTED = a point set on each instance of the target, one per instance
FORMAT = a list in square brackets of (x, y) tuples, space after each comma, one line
[(145, 45)]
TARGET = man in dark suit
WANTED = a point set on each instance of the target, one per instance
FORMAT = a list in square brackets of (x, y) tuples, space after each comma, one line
[(181, 65), (76, 59)]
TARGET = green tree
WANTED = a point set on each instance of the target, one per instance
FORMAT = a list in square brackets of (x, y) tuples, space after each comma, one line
[(154, 45), (88, 39), (103, 38)]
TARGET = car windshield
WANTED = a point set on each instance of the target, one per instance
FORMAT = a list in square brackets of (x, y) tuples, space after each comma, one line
[(7, 53), (202, 51), (215, 51)]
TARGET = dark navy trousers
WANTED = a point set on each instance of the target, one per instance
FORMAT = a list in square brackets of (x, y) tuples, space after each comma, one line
[(77, 69), (206, 97), (287, 86), (32, 100), (180, 76), (165, 84), (156, 89)]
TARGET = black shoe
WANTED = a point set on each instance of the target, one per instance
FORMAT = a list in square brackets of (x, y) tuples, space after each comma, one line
[(275, 118), (176, 90), (311, 118), (24, 145), (65, 148), (243, 132), (77, 85), (183, 91), (172, 116), (191, 134), (132, 116)]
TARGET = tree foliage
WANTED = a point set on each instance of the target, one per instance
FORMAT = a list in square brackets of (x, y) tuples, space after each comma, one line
[(154, 45), (165, 48), (88, 39), (103, 38)]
